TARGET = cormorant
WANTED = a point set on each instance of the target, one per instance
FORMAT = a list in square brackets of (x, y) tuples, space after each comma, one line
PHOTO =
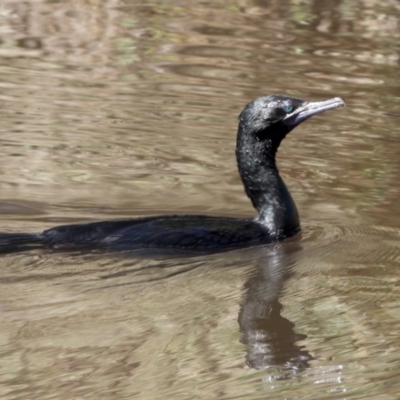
[(263, 124)]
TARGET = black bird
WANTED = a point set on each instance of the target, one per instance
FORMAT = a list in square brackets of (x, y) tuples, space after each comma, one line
[(263, 124)]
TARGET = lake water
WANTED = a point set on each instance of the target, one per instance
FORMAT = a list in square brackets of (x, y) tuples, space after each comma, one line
[(122, 108)]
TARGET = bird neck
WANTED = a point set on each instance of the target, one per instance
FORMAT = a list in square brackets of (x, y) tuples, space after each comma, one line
[(264, 186)]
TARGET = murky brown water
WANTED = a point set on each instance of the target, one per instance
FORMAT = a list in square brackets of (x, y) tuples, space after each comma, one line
[(121, 108)]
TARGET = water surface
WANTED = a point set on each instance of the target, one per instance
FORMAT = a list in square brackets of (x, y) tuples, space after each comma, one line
[(120, 108)]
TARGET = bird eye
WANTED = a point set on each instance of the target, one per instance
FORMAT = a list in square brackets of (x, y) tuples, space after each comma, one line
[(288, 108)]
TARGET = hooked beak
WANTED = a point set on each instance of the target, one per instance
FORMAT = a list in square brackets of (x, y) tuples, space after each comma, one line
[(310, 109)]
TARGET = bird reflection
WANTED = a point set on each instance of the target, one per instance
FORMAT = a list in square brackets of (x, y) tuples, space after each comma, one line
[(271, 338)]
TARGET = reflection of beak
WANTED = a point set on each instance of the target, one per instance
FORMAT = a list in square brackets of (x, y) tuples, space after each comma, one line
[(310, 109)]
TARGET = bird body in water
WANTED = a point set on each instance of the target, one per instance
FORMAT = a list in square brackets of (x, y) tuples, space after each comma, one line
[(263, 124)]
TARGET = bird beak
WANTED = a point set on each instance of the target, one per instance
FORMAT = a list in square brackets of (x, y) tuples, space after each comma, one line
[(310, 109)]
